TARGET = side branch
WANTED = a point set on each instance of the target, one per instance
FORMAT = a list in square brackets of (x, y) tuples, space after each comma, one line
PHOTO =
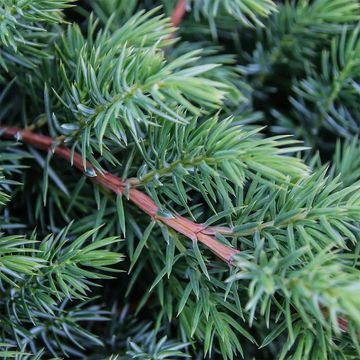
[(192, 230)]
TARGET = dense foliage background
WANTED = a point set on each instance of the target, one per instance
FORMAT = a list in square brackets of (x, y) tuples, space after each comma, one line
[(198, 118)]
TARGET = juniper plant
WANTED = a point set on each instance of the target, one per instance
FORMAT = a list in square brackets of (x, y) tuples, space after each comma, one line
[(146, 212)]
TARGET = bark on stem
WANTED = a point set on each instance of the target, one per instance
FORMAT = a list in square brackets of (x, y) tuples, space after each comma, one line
[(178, 13), (192, 230)]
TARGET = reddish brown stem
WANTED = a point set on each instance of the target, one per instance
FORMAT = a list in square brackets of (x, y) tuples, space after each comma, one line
[(178, 13), (192, 230)]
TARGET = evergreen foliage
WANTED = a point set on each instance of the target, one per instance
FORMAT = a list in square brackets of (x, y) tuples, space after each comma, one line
[(147, 212)]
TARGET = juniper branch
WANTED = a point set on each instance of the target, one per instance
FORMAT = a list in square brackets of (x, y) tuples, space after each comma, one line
[(192, 230), (186, 227)]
